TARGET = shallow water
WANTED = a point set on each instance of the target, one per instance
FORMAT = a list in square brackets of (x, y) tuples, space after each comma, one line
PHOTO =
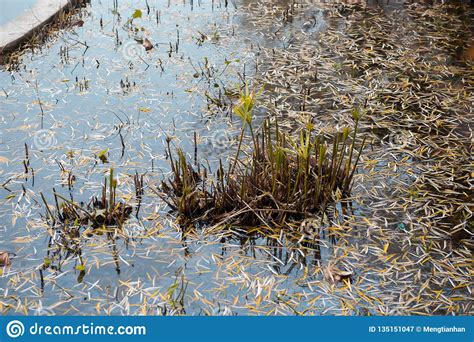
[(93, 87)]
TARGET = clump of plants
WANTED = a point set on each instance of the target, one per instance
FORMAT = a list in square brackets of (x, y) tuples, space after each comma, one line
[(70, 221), (101, 211), (284, 178)]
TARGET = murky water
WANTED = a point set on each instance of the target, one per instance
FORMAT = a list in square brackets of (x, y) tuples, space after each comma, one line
[(94, 88)]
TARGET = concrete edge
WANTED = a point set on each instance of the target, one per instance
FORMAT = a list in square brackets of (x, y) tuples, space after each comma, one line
[(23, 27)]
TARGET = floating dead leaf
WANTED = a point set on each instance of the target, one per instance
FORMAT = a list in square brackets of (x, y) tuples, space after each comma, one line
[(147, 44), (333, 274), (4, 259), (23, 239)]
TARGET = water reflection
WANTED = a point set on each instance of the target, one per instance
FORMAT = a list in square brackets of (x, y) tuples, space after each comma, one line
[(97, 93)]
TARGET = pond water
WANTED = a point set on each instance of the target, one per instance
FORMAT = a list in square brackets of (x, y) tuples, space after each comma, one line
[(92, 89), (10, 9)]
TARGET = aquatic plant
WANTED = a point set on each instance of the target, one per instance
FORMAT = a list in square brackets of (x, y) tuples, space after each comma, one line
[(283, 178), (101, 211), (183, 192), (71, 222)]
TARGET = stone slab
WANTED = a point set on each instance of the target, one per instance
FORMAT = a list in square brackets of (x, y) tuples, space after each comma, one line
[(20, 29)]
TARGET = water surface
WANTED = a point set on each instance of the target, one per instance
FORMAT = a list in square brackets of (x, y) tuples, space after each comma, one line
[(93, 88)]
